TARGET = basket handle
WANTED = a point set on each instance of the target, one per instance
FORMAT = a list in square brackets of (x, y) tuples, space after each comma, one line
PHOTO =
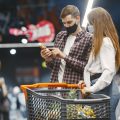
[(41, 85), (49, 85)]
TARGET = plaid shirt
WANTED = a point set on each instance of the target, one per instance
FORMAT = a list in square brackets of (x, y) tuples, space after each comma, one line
[(75, 61)]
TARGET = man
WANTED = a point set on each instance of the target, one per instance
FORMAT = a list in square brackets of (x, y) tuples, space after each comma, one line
[(71, 50)]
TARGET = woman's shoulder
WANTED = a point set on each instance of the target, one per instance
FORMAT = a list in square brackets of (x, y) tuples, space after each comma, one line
[(107, 41)]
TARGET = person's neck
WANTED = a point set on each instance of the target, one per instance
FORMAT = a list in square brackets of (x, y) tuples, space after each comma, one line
[(79, 29)]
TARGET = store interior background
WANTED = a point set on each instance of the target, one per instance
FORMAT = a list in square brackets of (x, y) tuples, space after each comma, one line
[(27, 66)]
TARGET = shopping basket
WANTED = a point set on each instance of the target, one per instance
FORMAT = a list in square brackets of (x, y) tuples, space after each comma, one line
[(44, 103)]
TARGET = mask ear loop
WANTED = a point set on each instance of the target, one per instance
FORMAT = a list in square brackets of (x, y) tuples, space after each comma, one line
[(90, 28)]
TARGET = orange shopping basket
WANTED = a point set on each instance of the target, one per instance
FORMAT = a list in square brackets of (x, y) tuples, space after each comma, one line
[(44, 103)]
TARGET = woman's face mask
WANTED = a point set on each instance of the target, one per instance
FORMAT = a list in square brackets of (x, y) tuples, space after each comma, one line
[(90, 28)]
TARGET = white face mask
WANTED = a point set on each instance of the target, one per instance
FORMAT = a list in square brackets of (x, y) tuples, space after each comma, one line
[(90, 28)]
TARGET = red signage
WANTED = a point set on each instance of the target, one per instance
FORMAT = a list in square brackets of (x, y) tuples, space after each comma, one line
[(44, 31)]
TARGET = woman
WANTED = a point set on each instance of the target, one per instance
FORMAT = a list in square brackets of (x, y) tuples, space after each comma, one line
[(104, 60)]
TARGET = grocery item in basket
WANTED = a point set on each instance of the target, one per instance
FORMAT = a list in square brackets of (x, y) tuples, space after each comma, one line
[(86, 112), (72, 94), (71, 111), (79, 112)]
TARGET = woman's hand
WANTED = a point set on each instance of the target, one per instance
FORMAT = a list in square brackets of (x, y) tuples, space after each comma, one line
[(85, 91), (81, 84)]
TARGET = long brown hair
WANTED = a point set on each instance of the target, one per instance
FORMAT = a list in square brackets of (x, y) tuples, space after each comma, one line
[(103, 26)]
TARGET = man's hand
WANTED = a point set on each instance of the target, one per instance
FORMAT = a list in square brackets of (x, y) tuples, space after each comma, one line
[(46, 54), (57, 53)]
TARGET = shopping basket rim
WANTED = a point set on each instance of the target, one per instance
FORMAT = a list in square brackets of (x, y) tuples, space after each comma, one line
[(82, 101)]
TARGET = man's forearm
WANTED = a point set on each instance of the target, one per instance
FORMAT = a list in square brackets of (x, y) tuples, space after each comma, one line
[(75, 63)]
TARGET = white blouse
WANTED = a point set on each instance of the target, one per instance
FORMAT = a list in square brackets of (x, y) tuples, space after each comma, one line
[(104, 63)]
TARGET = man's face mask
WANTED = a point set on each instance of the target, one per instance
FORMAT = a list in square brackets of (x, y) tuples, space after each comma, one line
[(71, 29), (90, 28)]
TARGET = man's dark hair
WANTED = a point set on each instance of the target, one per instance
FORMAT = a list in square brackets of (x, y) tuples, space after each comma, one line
[(70, 10)]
